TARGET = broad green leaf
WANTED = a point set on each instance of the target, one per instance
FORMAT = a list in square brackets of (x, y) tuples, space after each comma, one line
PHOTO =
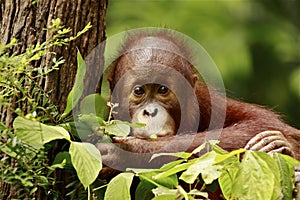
[(290, 160), (286, 176), (172, 171), (221, 157), (37, 134), (226, 179), (168, 182), (79, 130), (94, 104), (170, 165), (118, 129), (86, 125), (144, 190), (258, 178), (86, 160), (219, 150), (119, 187), (77, 89), (202, 165), (183, 155), (211, 173), (150, 180), (91, 121)]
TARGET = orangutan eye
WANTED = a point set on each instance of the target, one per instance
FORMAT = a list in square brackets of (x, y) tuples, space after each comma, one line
[(163, 90), (138, 91)]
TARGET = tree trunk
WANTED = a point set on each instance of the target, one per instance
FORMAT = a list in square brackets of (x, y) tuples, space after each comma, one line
[(25, 21)]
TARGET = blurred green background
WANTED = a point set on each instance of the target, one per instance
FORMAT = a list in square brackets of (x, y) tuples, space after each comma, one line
[(255, 44)]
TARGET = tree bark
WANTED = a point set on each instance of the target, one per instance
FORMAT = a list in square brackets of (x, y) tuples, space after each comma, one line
[(25, 21)]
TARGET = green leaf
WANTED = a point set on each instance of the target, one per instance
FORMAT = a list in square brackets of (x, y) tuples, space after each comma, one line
[(133, 125), (164, 194), (173, 170), (86, 160), (198, 193), (183, 192), (64, 157), (170, 165), (170, 181), (221, 157), (2, 127), (200, 148), (203, 165), (105, 88), (37, 134), (219, 150), (77, 89), (144, 190), (94, 104), (79, 130), (118, 128), (183, 155), (211, 173), (226, 179), (286, 176), (165, 197), (8, 151), (33, 190), (258, 178), (290, 160), (141, 170), (119, 187), (91, 121)]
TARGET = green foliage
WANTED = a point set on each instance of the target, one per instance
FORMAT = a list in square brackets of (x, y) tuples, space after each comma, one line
[(37, 135), (238, 178), (245, 178), (19, 78), (30, 171), (83, 154), (99, 107), (94, 117), (24, 161), (119, 187), (285, 164), (76, 92), (256, 171)]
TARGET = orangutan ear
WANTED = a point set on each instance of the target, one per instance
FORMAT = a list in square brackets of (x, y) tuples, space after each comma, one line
[(110, 74)]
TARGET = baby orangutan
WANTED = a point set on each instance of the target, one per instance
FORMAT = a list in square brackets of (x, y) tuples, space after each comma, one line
[(155, 83)]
